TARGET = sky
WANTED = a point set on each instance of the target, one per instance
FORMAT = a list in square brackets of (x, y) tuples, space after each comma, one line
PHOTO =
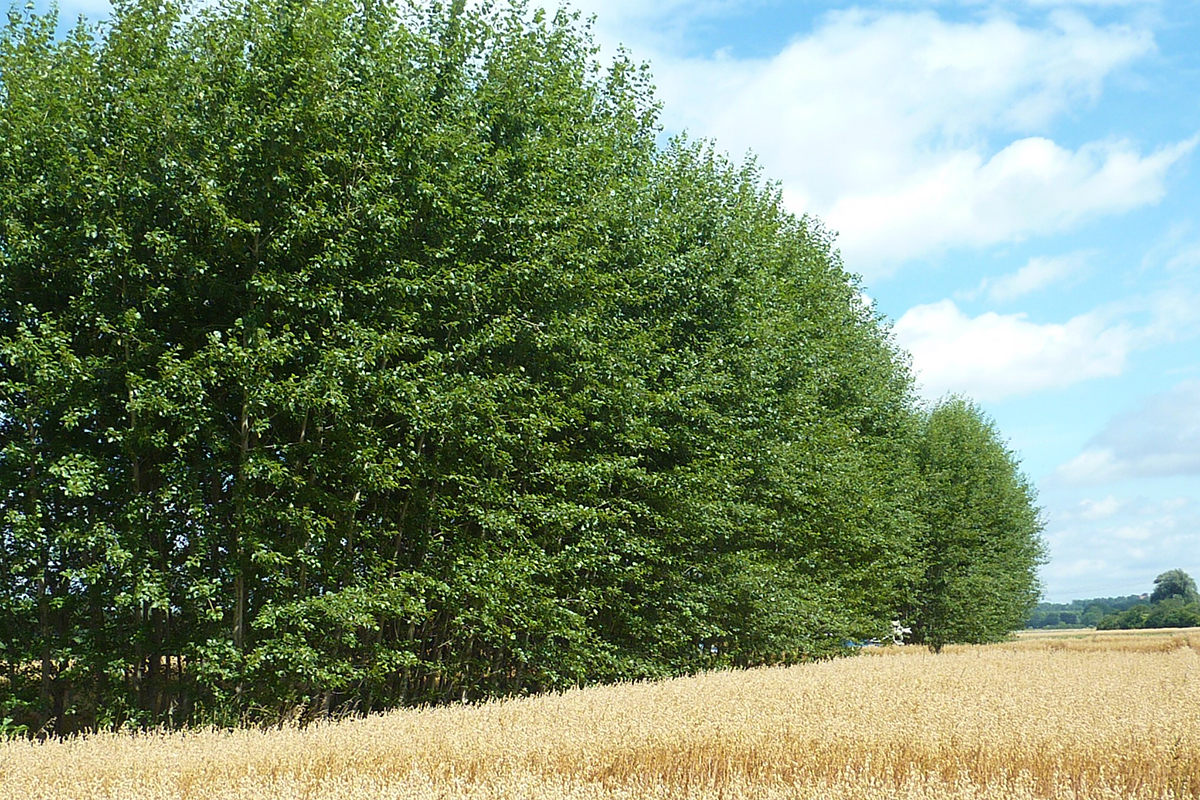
[(1016, 184)]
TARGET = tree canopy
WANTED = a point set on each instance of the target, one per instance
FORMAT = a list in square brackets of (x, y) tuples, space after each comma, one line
[(1174, 583), (355, 354), (981, 543)]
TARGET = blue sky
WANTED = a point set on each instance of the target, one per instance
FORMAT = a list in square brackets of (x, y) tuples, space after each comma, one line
[(1016, 182)]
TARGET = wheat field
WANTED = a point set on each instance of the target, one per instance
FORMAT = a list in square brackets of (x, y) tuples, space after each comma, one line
[(1074, 715)]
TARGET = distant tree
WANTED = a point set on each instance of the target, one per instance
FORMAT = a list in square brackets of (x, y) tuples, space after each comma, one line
[(1170, 613), (1133, 617), (1173, 604), (1174, 583), (1173, 613), (1092, 615), (982, 543), (1087, 612)]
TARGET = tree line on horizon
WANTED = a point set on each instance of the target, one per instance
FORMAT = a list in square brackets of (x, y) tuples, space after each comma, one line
[(355, 355), (1085, 613), (1173, 603)]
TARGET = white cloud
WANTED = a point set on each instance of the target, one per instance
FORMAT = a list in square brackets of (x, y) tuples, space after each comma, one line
[(1037, 274), (993, 356), (1159, 438), (1117, 546), (886, 124), (1176, 252), (1094, 465), (1100, 509), (1031, 187)]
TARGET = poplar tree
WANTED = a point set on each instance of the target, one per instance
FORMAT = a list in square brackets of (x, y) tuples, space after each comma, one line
[(356, 354), (981, 544)]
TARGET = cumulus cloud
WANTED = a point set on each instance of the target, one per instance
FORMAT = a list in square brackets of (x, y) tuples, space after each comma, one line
[(1161, 437), (882, 123), (994, 356), (1031, 187)]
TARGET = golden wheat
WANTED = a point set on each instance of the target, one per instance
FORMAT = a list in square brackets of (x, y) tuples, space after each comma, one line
[(1079, 715)]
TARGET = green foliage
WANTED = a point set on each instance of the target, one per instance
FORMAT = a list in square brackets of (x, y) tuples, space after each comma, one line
[(354, 355), (1173, 604), (982, 543), (1174, 613), (1132, 617), (9, 730), (1174, 584), (1077, 613)]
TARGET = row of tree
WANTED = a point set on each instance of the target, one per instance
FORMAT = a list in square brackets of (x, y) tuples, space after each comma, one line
[(355, 354), (1080, 613), (1174, 603)]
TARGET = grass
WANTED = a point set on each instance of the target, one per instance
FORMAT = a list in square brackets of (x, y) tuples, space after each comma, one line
[(1092, 715)]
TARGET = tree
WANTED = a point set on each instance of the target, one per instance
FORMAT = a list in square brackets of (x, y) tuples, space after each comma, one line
[(1132, 617), (355, 354), (1173, 613), (981, 546), (1174, 583), (311, 392), (1093, 615)]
